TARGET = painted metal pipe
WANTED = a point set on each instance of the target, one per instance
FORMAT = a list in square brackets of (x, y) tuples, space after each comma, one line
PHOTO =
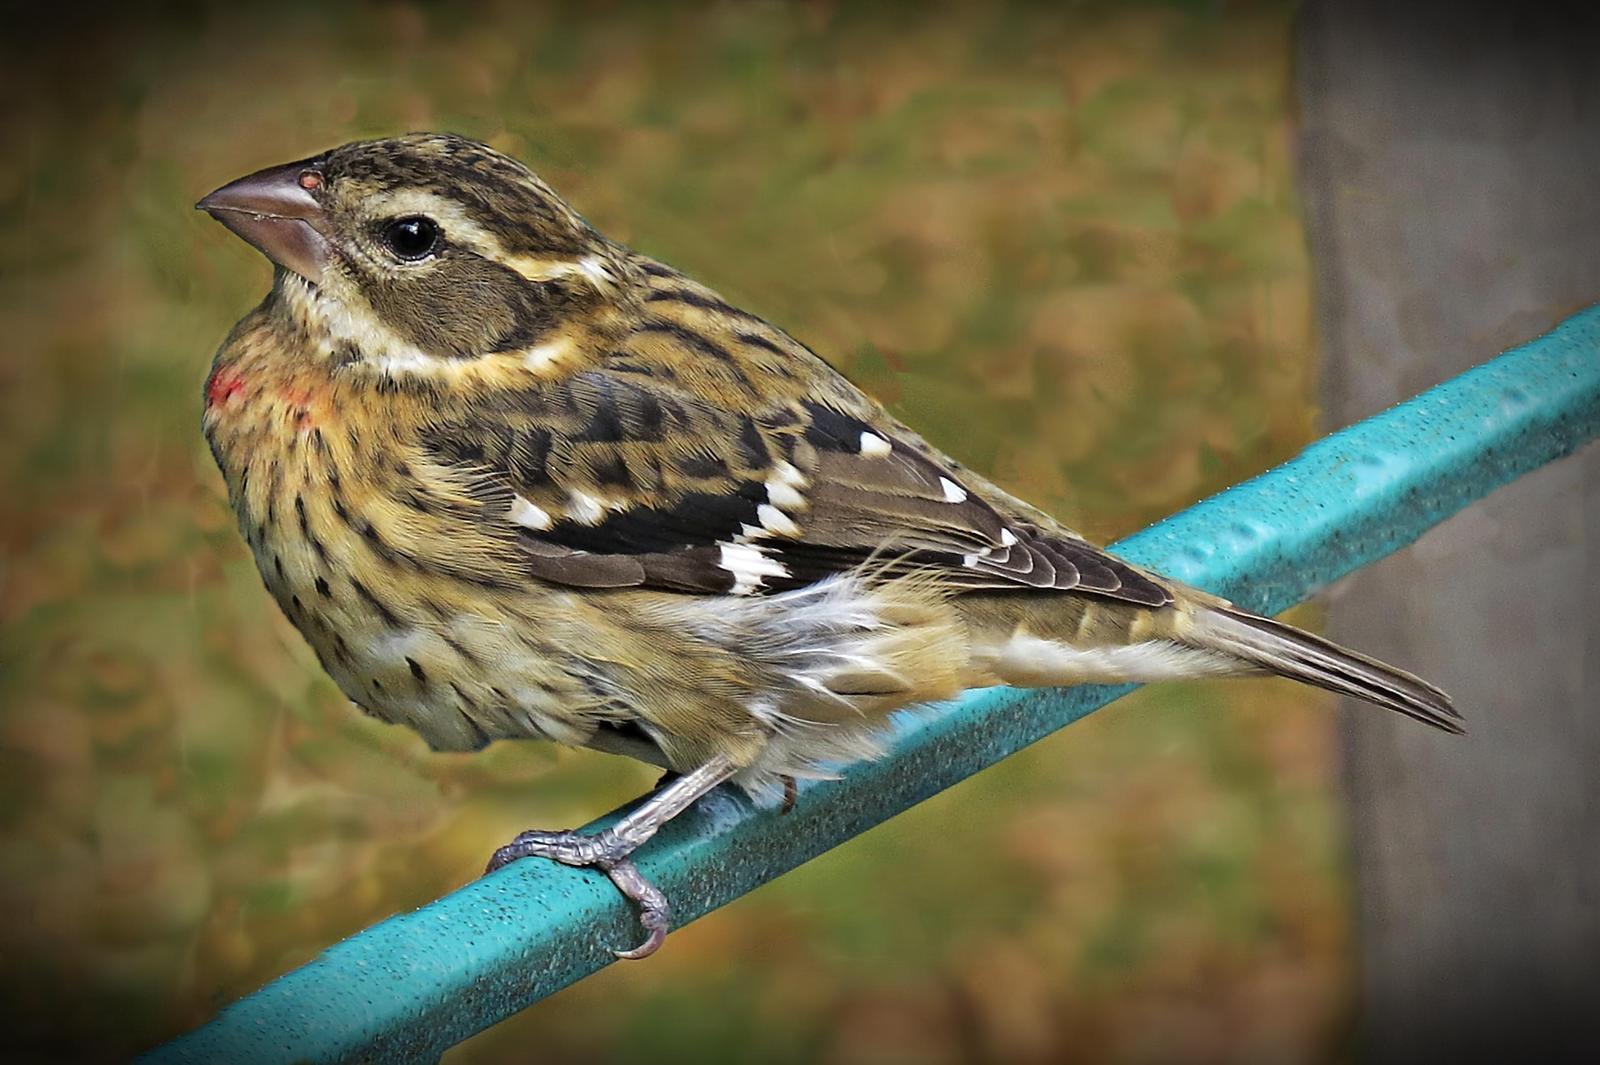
[(407, 989)]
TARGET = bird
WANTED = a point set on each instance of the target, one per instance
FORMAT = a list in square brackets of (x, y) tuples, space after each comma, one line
[(511, 479)]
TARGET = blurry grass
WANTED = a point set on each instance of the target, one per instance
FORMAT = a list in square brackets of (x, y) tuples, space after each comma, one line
[(1063, 243)]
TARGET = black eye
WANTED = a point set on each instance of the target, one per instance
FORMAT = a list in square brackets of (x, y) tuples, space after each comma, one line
[(411, 238)]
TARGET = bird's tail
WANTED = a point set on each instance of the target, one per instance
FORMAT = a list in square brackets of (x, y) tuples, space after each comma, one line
[(1290, 652)]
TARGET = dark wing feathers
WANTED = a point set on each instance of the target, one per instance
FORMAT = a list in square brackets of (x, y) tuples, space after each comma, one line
[(614, 479)]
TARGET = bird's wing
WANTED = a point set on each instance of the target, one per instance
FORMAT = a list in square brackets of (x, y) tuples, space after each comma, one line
[(611, 479)]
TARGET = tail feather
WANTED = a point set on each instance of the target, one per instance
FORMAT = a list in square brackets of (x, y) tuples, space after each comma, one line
[(1303, 656)]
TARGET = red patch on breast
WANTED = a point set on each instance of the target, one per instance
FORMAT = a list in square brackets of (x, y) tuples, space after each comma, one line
[(300, 402), (223, 386)]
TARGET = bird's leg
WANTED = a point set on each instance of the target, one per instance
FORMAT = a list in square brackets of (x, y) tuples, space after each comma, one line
[(609, 849)]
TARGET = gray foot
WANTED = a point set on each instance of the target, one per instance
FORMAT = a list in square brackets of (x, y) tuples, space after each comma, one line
[(608, 853)]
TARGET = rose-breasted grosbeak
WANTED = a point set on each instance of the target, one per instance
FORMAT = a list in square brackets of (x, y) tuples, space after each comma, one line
[(512, 479)]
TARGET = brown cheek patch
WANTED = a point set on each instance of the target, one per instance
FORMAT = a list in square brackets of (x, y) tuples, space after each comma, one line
[(467, 307)]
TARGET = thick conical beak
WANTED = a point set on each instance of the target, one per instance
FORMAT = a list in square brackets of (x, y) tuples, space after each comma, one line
[(276, 209)]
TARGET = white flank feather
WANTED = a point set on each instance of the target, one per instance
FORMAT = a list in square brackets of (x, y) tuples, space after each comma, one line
[(1032, 660)]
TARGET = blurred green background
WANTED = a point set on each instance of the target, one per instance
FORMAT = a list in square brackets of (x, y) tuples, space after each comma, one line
[(1062, 242)]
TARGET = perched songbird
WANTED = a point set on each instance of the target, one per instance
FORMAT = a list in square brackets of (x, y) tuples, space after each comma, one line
[(512, 479)]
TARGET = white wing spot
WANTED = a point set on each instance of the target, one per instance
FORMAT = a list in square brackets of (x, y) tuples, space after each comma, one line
[(529, 516), (584, 508), (784, 496), (776, 521), (783, 487), (786, 473), (749, 566), (953, 493), (874, 445), (1007, 537)]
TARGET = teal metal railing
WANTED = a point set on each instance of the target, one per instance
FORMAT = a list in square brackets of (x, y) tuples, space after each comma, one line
[(411, 987)]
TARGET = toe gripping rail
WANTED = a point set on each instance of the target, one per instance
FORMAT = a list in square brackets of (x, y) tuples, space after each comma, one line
[(410, 987)]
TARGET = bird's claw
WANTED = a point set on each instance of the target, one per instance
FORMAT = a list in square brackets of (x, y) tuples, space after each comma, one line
[(608, 853), (566, 847), (654, 912)]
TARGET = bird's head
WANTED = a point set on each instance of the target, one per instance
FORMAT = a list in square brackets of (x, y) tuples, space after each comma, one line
[(418, 252)]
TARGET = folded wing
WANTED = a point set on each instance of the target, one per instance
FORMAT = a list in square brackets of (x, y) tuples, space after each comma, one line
[(611, 479)]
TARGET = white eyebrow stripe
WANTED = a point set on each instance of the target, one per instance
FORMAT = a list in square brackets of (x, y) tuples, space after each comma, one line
[(590, 268), (453, 219), (594, 268)]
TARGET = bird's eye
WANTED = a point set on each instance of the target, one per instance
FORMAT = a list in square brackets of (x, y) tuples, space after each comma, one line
[(411, 238)]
